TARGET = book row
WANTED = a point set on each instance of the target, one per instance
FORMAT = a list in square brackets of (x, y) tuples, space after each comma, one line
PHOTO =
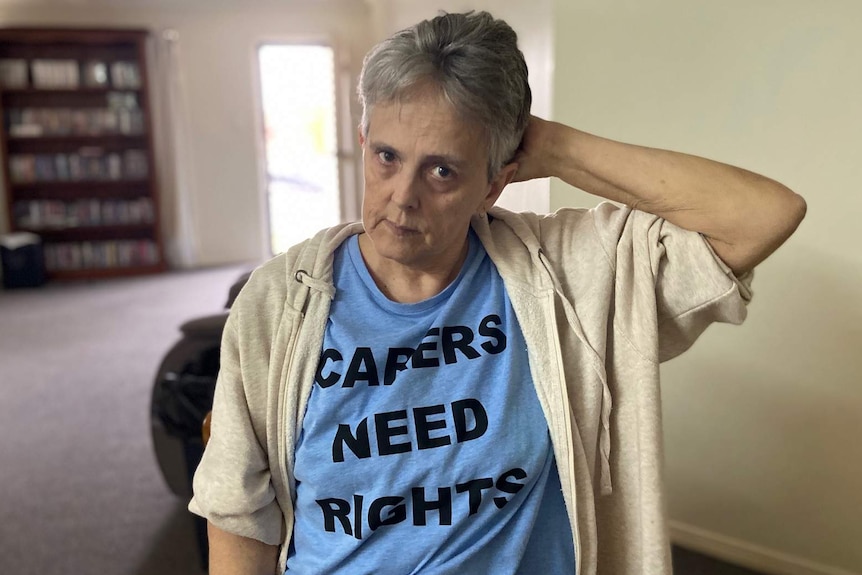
[(100, 255), (36, 122), (19, 73), (58, 214), (89, 164)]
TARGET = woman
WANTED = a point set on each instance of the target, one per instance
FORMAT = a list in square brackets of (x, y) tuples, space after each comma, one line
[(430, 391)]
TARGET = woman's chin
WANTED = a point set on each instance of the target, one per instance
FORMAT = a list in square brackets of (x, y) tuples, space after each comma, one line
[(396, 248)]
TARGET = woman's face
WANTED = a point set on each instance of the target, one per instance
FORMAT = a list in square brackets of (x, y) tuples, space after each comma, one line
[(425, 177)]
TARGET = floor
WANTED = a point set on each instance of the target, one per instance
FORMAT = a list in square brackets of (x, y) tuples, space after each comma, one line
[(687, 562)]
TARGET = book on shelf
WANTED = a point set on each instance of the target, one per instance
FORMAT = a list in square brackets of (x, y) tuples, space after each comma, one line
[(125, 75), (55, 74), (75, 256), (135, 165), (13, 73), (40, 122), (88, 164), (38, 215), (66, 74)]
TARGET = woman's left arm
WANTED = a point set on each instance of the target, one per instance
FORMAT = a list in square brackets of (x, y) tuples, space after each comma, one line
[(744, 216)]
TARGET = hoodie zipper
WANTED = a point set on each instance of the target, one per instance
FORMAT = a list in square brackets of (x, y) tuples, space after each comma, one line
[(282, 447), (309, 282), (555, 338)]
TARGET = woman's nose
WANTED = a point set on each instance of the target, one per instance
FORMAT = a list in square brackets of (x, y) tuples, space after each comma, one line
[(405, 192)]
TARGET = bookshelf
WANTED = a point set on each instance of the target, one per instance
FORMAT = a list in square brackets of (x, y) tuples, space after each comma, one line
[(77, 149)]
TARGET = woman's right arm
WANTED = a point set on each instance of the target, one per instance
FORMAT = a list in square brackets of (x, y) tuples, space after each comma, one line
[(236, 555)]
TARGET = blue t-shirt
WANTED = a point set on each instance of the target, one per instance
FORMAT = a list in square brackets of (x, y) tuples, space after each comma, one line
[(424, 448)]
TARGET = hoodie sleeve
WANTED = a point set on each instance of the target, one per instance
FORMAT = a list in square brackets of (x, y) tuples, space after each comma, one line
[(232, 485), (691, 286)]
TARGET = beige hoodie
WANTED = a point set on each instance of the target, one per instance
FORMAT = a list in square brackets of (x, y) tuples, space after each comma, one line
[(602, 297)]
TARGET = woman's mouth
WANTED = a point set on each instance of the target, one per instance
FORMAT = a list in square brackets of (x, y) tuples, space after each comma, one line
[(400, 230)]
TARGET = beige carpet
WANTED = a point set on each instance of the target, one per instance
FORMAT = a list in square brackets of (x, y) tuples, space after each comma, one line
[(80, 490)]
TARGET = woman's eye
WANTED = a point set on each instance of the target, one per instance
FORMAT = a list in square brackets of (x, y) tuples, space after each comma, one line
[(442, 172), (385, 156)]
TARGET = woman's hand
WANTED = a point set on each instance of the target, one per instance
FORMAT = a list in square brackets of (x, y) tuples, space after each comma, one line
[(536, 156)]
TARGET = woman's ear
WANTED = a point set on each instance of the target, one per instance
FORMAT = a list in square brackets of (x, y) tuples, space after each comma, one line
[(500, 181)]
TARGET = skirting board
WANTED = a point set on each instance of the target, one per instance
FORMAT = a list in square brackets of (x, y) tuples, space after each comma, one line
[(746, 554)]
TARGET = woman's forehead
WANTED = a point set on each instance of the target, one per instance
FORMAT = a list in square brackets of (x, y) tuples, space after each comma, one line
[(428, 123)]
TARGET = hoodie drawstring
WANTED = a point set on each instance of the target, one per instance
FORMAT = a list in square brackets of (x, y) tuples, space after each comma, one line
[(605, 481)]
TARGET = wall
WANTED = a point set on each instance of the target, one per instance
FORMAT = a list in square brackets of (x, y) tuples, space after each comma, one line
[(218, 40), (762, 422)]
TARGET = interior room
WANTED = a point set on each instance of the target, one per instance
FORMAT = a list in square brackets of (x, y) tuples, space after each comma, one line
[(176, 133)]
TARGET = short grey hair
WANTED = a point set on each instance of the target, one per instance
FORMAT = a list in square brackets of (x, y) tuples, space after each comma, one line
[(473, 59)]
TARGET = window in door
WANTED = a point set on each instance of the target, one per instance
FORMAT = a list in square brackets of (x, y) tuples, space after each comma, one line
[(299, 118)]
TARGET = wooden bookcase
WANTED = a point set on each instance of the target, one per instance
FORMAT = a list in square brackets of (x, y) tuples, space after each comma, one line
[(77, 149)]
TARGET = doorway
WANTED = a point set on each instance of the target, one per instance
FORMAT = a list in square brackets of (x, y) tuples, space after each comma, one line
[(297, 84)]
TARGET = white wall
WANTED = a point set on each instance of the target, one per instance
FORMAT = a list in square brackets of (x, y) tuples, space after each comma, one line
[(218, 40), (532, 23), (763, 423)]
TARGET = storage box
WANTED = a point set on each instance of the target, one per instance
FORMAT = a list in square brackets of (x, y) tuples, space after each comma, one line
[(23, 260)]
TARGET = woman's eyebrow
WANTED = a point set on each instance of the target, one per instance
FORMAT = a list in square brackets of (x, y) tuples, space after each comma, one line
[(375, 145)]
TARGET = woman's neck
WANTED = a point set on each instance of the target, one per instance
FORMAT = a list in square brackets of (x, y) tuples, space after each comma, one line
[(409, 284)]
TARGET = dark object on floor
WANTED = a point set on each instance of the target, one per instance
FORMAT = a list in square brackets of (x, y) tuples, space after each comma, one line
[(23, 260), (687, 562), (182, 396)]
